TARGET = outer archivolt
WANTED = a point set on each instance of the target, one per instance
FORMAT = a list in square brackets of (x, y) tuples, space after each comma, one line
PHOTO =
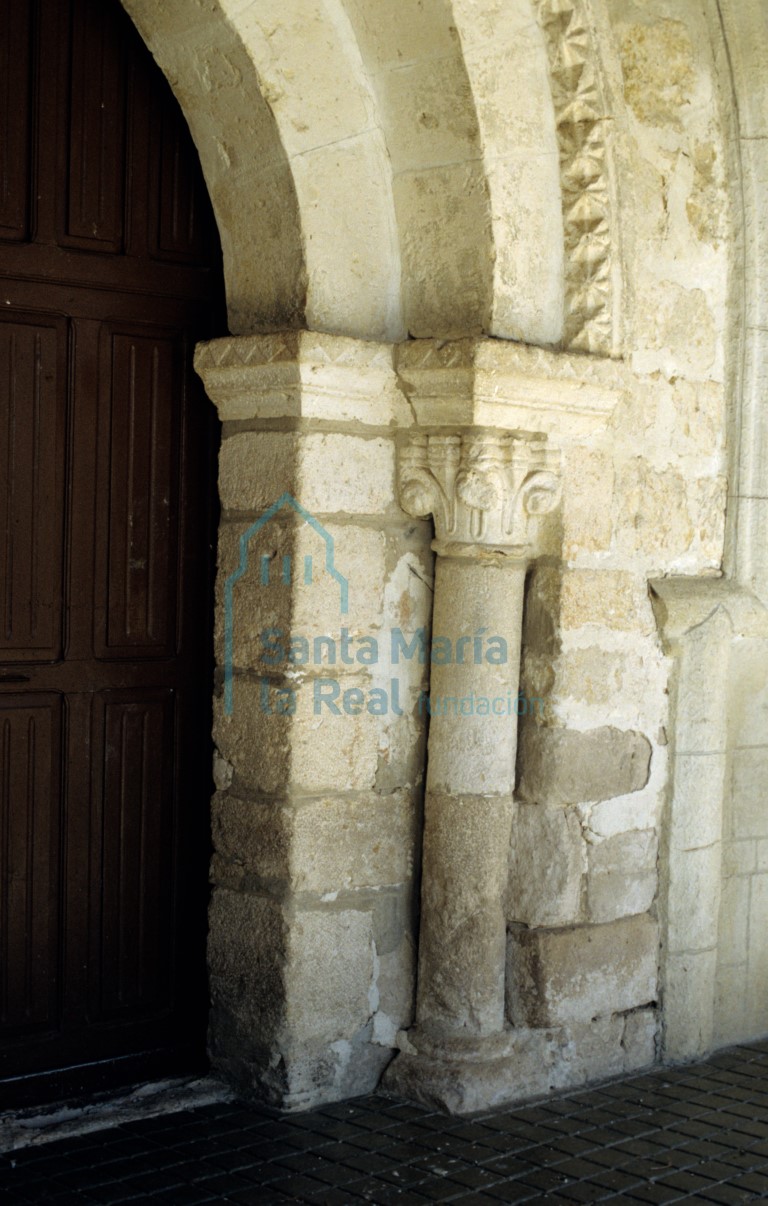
[(587, 217)]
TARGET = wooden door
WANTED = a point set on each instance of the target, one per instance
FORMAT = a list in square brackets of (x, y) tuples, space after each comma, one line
[(109, 273)]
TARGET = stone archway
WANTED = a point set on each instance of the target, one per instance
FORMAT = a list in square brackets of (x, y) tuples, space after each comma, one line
[(391, 195), (408, 181)]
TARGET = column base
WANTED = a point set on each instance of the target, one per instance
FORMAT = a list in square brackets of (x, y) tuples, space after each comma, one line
[(470, 1075)]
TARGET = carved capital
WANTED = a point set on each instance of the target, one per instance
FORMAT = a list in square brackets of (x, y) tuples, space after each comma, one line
[(483, 490)]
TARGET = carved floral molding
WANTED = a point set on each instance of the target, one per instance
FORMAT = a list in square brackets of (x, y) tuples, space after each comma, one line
[(580, 119)]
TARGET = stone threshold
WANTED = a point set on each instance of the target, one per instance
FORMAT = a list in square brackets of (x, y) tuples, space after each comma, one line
[(79, 1116)]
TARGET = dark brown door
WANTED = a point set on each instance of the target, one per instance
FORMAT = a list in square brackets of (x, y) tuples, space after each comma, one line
[(109, 273)]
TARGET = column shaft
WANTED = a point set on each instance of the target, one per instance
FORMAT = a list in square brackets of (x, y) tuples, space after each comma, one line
[(486, 492), (470, 778)]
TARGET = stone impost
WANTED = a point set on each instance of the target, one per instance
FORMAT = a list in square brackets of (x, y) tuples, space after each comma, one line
[(485, 491)]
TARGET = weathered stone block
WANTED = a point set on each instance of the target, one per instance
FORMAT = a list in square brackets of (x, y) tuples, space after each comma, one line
[(423, 86), (653, 511), (395, 983), (330, 975), (542, 611), (251, 839), (287, 593), (731, 1005), (247, 952), (441, 198), (588, 1050), (557, 976), (639, 810), (255, 469), (562, 766), (700, 725), (317, 1072), (622, 876), (256, 745), (693, 899), (319, 846), (312, 751), (620, 681), (336, 751), (423, 36), (734, 920), (326, 472), (587, 500), (394, 915), (546, 866), (689, 993), (345, 473), (757, 961), (537, 679), (256, 607), (605, 1047), (359, 555), (322, 175), (596, 677), (611, 598), (640, 1039), (749, 806), (353, 843), (696, 817), (743, 857)]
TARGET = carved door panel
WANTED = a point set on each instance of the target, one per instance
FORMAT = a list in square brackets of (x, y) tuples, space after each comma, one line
[(109, 273)]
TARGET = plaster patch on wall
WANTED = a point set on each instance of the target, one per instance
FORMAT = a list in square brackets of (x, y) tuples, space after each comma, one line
[(681, 339), (657, 60), (704, 206)]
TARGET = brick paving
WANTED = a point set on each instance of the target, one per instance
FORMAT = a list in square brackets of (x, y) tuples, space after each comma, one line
[(698, 1133)]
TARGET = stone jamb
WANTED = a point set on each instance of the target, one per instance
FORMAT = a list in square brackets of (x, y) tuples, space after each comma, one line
[(699, 620), (323, 925)]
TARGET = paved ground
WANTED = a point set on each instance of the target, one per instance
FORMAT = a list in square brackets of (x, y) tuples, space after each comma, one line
[(695, 1134)]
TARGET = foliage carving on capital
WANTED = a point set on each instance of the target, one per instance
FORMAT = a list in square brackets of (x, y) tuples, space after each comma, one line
[(483, 490)]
